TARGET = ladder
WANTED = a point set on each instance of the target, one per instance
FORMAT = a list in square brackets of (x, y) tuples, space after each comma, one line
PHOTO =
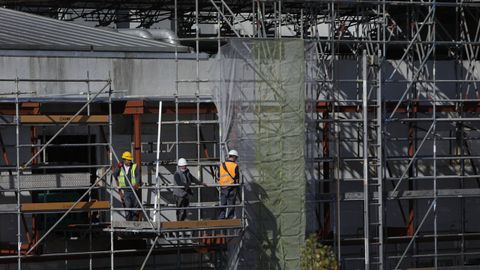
[(372, 163)]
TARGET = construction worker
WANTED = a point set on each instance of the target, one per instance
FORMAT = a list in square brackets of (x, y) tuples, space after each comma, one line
[(183, 178), (228, 175), (128, 170)]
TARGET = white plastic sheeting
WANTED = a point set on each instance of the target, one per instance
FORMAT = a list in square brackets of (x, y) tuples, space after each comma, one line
[(260, 97)]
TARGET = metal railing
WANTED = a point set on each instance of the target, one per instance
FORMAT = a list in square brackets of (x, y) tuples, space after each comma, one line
[(195, 211)]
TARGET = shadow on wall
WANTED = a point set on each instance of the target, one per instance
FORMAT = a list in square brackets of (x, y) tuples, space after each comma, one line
[(398, 148), (261, 234)]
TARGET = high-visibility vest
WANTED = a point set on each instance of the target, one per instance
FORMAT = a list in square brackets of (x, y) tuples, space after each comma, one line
[(225, 177), (121, 177)]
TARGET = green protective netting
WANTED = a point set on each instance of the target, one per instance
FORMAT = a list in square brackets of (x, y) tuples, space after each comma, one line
[(260, 94)]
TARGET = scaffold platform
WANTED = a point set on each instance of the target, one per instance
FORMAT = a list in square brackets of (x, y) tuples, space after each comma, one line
[(178, 225)]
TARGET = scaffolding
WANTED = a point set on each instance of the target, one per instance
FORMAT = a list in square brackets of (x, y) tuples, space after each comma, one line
[(392, 114), (389, 141), (393, 132), (62, 193)]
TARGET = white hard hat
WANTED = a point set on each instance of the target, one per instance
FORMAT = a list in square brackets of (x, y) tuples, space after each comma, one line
[(182, 162), (233, 153)]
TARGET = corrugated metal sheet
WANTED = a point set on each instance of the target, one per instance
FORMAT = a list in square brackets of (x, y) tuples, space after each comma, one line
[(20, 30)]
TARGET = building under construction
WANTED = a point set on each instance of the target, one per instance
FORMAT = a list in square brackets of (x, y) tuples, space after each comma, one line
[(356, 121)]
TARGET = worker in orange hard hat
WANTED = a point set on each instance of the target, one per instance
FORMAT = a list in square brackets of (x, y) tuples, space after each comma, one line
[(127, 172), (228, 175), (182, 194)]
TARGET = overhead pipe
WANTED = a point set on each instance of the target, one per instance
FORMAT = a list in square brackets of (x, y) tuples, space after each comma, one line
[(165, 35), (136, 32)]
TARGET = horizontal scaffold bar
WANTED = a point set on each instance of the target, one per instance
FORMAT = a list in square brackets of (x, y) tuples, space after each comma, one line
[(410, 194), (187, 224)]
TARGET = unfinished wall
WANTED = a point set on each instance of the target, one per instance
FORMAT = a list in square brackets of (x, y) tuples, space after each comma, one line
[(155, 77)]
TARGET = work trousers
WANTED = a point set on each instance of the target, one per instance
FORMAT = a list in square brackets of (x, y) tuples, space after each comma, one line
[(228, 196), (130, 202), (182, 202)]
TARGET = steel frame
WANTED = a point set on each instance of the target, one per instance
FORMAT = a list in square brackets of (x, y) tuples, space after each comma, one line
[(419, 57), (374, 36), (201, 235)]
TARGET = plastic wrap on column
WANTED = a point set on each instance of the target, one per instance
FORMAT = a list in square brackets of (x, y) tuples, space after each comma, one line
[(260, 96)]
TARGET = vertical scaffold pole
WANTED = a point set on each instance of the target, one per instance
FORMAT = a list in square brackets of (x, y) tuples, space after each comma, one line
[(156, 216), (434, 133), (199, 167), (17, 149), (112, 189), (366, 231)]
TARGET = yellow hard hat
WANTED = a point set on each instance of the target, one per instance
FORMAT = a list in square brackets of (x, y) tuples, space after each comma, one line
[(127, 155)]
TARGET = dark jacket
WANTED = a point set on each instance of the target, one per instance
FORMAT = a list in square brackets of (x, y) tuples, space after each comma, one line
[(184, 179)]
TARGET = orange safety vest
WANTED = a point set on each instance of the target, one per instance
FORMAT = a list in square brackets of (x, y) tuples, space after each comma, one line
[(226, 176)]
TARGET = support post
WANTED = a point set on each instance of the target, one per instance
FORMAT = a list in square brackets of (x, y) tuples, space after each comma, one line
[(137, 140), (136, 108), (366, 232), (326, 174)]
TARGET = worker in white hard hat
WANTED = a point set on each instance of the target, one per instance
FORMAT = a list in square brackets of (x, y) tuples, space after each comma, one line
[(127, 169), (228, 175), (183, 178)]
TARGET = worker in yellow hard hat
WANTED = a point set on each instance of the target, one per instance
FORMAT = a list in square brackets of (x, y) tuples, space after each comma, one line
[(126, 172), (228, 175)]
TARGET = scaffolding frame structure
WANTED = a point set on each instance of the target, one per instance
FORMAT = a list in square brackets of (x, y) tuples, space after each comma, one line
[(391, 45), (401, 45), (374, 116), (18, 111)]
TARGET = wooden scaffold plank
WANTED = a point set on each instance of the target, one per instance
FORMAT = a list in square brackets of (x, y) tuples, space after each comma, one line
[(63, 206), (56, 119)]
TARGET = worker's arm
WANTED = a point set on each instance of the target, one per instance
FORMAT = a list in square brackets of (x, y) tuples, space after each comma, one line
[(217, 173), (138, 177), (196, 181), (115, 174), (236, 179)]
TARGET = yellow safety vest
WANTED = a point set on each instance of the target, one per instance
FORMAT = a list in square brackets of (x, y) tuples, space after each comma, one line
[(226, 177), (121, 176)]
